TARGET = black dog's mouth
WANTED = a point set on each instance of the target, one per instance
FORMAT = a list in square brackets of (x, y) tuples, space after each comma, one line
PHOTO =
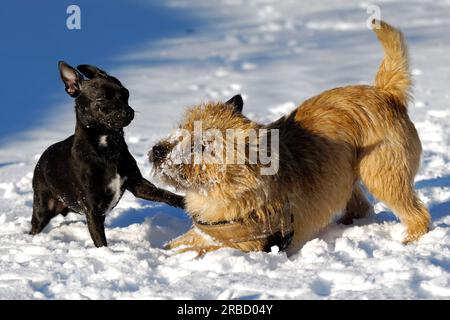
[(125, 122), (119, 121)]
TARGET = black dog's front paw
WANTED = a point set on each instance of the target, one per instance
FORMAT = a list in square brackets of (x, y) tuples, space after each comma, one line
[(178, 201), (148, 191)]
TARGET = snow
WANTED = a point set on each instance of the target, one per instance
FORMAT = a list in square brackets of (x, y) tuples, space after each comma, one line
[(276, 53)]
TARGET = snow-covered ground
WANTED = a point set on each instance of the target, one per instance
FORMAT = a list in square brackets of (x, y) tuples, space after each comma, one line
[(277, 53)]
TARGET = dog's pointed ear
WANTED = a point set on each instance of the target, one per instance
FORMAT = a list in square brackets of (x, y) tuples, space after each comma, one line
[(91, 72), (72, 79), (236, 102)]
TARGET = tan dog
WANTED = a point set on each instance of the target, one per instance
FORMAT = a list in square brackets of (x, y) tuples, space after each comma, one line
[(326, 147)]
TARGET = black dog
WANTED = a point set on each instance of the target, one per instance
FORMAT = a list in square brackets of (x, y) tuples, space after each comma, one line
[(89, 171)]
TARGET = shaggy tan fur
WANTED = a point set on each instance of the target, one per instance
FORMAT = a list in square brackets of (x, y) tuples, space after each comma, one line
[(328, 146)]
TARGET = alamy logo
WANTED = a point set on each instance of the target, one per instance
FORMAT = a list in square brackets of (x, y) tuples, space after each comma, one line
[(73, 21), (234, 146)]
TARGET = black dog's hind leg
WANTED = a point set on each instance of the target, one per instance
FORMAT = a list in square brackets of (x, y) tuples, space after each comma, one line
[(148, 191), (44, 209), (96, 226)]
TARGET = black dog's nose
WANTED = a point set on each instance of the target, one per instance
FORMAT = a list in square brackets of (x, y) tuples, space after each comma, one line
[(157, 153), (130, 114)]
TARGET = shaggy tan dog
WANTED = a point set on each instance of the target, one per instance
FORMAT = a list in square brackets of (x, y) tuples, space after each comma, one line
[(327, 146)]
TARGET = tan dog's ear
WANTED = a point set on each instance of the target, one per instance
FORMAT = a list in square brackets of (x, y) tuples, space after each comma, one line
[(72, 79), (236, 102)]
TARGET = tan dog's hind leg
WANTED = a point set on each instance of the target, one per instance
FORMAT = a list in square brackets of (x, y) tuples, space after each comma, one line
[(358, 207), (388, 173), (192, 241)]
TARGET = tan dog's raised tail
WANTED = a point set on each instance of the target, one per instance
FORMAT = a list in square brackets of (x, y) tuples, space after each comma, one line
[(328, 146)]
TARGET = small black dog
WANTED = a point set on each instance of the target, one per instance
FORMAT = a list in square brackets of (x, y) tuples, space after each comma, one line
[(89, 171)]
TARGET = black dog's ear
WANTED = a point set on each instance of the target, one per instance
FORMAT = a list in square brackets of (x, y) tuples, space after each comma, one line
[(91, 72), (72, 79), (236, 102)]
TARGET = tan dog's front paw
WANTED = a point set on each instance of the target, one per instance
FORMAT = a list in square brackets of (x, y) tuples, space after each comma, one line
[(172, 245), (191, 241), (182, 248)]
